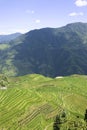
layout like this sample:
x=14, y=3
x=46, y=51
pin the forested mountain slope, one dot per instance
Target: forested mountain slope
x=47, y=51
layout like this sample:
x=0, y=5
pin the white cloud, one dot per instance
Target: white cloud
x=37, y=20
x=76, y=14
x=81, y=3
x=30, y=11
x=3, y=33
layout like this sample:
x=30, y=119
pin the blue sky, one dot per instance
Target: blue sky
x=25, y=15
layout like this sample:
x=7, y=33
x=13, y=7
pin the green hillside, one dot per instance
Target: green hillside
x=9, y=37
x=49, y=51
x=32, y=102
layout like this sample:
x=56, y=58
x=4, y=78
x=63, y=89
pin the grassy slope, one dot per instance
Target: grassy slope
x=31, y=102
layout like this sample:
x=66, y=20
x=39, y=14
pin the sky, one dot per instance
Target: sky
x=25, y=15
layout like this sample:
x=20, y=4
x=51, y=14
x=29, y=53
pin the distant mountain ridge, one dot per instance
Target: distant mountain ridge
x=48, y=51
x=6, y=38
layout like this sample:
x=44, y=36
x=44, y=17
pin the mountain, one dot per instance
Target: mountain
x=6, y=38
x=48, y=51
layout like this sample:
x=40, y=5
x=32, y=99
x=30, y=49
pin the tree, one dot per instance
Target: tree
x=2, y=83
x=55, y=126
x=57, y=122
x=85, y=118
x=63, y=114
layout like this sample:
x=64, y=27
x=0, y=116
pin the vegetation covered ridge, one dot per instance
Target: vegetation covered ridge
x=48, y=51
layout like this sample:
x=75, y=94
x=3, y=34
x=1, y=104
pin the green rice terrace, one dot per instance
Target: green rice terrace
x=35, y=102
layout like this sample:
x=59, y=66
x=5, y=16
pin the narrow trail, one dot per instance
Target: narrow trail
x=48, y=126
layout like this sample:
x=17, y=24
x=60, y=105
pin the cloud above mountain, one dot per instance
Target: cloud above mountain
x=30, y=11
x=37, y=21
x=81, y=3
x=76, y=14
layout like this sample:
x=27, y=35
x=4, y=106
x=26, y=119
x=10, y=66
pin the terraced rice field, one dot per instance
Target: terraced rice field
x=31, y=102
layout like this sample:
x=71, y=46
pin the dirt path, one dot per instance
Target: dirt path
x=48, y=126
